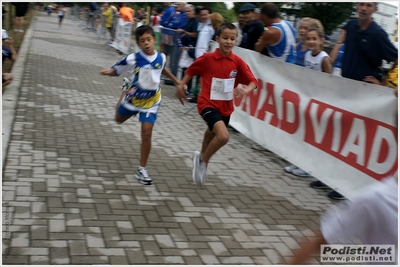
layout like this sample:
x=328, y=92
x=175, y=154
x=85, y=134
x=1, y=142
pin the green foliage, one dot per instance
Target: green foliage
x=237, y=5
x=220, y=7
x=331, y=14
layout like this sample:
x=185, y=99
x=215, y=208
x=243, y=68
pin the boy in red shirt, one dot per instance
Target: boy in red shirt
x=221, y=72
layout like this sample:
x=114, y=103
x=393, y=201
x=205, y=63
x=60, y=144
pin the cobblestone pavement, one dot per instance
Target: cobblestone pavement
x=69, y=195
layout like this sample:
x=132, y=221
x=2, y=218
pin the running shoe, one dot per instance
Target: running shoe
x=143, y=176
x=336, y=196
x=319, y=185
x=196, y=167
x=290, y=168
x=301, y=173
x=203, y=173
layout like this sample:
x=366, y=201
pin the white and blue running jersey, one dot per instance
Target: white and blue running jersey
x=285, y=49
x=144, y=93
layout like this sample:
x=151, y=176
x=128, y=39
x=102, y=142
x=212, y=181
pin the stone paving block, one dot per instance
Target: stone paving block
x=57, y=226
x=136, y=256
x=209, y=259
x=123, y=244
x=89, y=260
x=39, y=260
x=20, y=240
x=166, y=260
x=39, y=232
x=107, y=251
x=16, y=259
x=118, y=260
x=236, y=260
x=49, y=244
x=94, y=240
x=28, y=251
x=110, y=233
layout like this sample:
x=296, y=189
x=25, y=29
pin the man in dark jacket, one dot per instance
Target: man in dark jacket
x=253, y=28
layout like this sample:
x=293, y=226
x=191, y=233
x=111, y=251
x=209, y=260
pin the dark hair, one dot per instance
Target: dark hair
x=159, y=10
x=142, y=30
x=270, y=10
x=205, y=8
x=224, y=26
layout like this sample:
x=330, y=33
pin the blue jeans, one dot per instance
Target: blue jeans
x=174, y=54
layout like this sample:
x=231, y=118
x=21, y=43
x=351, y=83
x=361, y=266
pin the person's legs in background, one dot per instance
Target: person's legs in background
x=189, y=84
x=175, y=55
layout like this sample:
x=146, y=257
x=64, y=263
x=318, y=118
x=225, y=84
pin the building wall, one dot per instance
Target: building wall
x=386, y=17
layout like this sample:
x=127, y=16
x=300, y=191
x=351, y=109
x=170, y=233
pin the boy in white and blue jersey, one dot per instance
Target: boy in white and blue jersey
x=143, y=96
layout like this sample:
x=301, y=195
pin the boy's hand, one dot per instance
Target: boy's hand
x=181, y=93
x=110, y=72
x=242, y=90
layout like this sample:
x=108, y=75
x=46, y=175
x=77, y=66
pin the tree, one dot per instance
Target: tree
x=331, y=14
x=237, y=5
x=220, y=7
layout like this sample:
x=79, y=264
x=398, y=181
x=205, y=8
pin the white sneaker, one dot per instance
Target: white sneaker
x=196, y=167
x=203, y=173
x=143, y=176
x=300, y=172
x=290, y=168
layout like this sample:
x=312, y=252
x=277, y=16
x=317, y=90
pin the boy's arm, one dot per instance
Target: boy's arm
x=169, y=74
x=109, y=72
x=302, y=255
x=181, y=89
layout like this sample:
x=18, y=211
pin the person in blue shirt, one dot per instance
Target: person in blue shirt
x=7, y=52
x=367, y=44
x=174, y=18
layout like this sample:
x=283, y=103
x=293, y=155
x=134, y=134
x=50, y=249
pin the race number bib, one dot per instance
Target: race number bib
x=222, y=89
x=146, y=80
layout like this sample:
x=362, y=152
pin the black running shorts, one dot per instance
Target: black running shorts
x=212, y=116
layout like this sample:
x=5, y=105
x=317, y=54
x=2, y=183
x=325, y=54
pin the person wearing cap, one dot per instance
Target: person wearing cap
x=280, y=38
x=8, y=52
x=253, y=29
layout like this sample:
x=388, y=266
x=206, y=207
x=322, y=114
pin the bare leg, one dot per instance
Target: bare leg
x=7, y=77
x=119, y=118
x=214, y=140
x=147, y=130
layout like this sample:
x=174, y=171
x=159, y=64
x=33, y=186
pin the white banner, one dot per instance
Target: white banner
x=123, y=33
x=341, y=131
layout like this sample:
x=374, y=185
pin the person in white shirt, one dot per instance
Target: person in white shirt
x=239, y=25
x=205, y=34
x=371, y=218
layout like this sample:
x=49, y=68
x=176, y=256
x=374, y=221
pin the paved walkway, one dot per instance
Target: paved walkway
x=69, y=195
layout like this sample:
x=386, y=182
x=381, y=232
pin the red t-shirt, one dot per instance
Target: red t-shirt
x=214, y=64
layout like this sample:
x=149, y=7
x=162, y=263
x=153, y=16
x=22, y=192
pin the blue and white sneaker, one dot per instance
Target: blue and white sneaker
x=143, y=176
